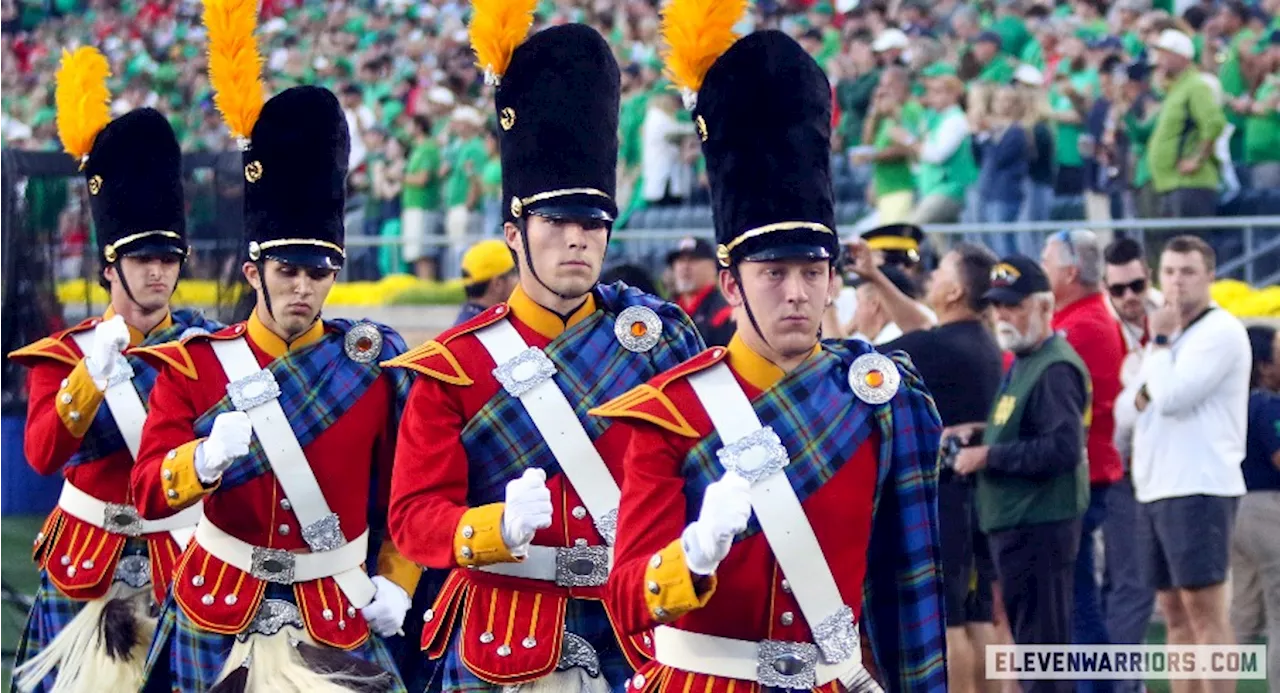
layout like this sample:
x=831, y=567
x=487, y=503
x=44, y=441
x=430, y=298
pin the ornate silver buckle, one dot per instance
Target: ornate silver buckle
x=123, y=371
x=527, y=370
x=253, y=390
x=582, y=566
x=324, y=534
x=577, y=652
x=607, y=526
x=781, y=664
x=120, y=518
x=272, y=565
x=756, y=456
x=134, y=571
x=272, y=616
x=837, y=636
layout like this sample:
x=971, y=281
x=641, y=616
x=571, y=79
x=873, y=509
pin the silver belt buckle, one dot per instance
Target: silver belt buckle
x=120, y=518
x=272, y=565
x=582, y=566
x=781, y=664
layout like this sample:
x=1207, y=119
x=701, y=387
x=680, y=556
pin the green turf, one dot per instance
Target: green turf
x=17, y=573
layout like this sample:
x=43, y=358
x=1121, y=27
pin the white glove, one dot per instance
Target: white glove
x=528, y=509
x=386, y=612
x=726, y=508
x=227, y=442
x=110, y=338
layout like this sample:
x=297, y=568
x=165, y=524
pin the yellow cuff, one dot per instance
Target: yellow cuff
x=78, y=400
x=478, y=540
x=398, y=569
x=178, y=477
x=669, y=589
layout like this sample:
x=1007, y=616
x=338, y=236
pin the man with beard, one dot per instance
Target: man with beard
x=1032, y=476
x=282, y=425
x=101, y=566
x=501, y=477
x=693, y=267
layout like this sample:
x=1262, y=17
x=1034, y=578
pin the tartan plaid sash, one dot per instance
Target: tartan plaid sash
x=318, y=384
x=591, y=368
x=815, y=414
x=104, y=437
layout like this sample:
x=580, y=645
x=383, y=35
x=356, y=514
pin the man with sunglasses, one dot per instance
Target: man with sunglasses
x=1127, y=598
x=1072, y=261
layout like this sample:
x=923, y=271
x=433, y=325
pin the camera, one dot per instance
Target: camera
x=950, y=449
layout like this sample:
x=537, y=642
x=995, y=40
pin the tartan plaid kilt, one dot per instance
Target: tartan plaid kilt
x=196, y=656
x=583, y=617
x=50, y=613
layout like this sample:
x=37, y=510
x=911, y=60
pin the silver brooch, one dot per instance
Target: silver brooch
x=638, y=328
x=525, y=371
x=134, y=571
x=756, y=456
x=874, y=378
x=363, y=343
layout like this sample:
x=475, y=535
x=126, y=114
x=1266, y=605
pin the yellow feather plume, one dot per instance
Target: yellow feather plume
x=497, y=27
x=84, y=103
x=696, y=32
x=235, y=66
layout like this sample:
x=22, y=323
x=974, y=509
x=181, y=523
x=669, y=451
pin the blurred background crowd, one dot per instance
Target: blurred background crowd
x=946, y=111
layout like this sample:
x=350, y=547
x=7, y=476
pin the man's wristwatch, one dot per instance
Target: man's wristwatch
x=1160, y=340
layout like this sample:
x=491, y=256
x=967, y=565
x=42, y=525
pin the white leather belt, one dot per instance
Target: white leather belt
x=572, y=566
x=757, y=454
x=122, y=518
x=526, y=373
x=278, y=565
x=774, y=663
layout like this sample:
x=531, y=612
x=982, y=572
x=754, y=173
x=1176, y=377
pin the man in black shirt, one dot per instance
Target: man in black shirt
x=961, y=365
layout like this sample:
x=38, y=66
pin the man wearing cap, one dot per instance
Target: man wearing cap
x=101, y=568
x=752, y=575
x=1032, y=473
x=1180, y=151
x=488, y=277
x=994, y=66
x=284, y=426
x=946, y=167
x=889, y=46
x=501, y=477
x=693, y=267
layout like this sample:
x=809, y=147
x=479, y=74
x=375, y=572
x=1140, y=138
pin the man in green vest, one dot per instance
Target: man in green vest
x=1031, y=469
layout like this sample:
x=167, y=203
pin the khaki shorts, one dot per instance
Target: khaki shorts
x=416, y=225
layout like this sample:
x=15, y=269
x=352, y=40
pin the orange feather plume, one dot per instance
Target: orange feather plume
x=235, y=66
x=84, y=103
x=497, y=27
x=696, y=33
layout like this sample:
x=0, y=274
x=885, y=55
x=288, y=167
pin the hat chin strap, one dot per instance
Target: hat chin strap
x=737, y=277
x=528, y=258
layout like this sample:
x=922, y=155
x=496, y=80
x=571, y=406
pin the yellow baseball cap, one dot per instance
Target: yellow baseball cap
x=486, y=260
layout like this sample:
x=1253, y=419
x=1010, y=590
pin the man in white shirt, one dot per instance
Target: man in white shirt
x=1191, y=399
x=667, y=177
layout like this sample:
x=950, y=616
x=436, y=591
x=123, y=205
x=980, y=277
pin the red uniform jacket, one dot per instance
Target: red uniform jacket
x=747, y=598
x=429, y=503
x=56, y=430
x=356, y=448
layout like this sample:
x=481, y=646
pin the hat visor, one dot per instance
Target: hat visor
x=788, y=252
x=1004, y=296
x=564, y=212
x=692, y=254
x=303, y=256
x=154, y=248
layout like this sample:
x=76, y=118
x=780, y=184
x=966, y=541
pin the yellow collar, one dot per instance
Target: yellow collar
x=756, y=369
x=135, y=335
x=543, y=321
x=271, y=343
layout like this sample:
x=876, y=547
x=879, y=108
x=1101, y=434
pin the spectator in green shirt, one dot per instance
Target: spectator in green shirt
x=421, y=215
x=993, y=65
x=1140, y=107
x=1262, y=127
x=1180, y=151
x=463, y=158
x=1240, y=70
x=893, y=117
x=491, y=186
x=1074, y=87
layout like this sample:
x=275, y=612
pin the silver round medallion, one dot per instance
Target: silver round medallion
x=638, y=329
x=363, y=343
x=874, y=378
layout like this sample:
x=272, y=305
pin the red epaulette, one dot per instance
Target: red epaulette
x=435, y=360
x=175, y=354
x=56, y=346
x=649, y=402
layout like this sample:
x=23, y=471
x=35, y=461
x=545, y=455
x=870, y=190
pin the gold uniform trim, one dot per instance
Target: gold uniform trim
x=722, y=252
x=111, y=252
x=518, y=205
x=256, y=248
